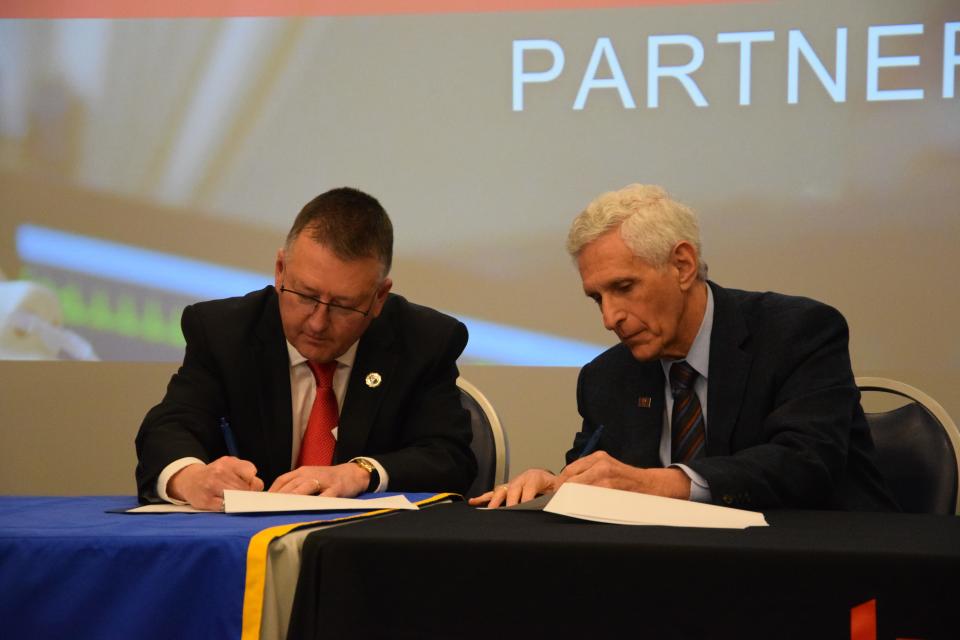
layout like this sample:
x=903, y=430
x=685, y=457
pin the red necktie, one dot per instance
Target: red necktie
x=318, y=442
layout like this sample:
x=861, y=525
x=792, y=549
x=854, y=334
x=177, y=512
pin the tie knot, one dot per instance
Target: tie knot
x=323, y=373
x=682, y=376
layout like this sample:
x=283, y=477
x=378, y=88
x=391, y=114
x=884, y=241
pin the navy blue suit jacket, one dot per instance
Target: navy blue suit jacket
x=784, y=422
x=236, y=366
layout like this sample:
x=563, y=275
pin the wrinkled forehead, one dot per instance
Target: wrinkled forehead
x=316, y=269
x=607, y=260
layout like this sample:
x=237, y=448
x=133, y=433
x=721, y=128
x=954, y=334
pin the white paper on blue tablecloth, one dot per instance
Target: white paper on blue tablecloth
x=262, y=502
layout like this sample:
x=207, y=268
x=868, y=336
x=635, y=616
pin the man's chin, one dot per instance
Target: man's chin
x=643, y=351
x=317, y=350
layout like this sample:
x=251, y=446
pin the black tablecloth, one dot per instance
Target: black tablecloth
x=454, y=571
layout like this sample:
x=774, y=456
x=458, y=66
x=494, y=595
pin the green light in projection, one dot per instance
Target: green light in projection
x=120, y=316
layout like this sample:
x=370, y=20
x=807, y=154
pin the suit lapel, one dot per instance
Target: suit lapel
x=271, y=362
x=376, y=354
x=644, y=387
x=729, y=368
x=627, y=398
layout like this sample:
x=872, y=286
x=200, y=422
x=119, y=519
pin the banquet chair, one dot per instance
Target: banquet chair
x=918, y=449
x=489, y=442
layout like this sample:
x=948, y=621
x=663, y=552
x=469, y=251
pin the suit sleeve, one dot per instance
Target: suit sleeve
x=588, y=428
x=184, y=424
x=608, y=389
x=435, y=454
x=789, y=448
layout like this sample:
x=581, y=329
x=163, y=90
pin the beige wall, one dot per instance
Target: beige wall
x=67, y=428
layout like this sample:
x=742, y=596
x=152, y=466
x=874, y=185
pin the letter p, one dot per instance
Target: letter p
x=521, y=77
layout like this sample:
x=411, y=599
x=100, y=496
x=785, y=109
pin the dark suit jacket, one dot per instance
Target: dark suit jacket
x=236, y=366
x=784, y=422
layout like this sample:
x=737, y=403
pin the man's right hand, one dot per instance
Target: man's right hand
x=526, y=486
x=202, y=485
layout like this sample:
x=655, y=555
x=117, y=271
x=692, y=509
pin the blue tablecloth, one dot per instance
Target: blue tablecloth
x=68, y=569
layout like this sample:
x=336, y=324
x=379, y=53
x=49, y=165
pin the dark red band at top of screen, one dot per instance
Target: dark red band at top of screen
x=258, y=8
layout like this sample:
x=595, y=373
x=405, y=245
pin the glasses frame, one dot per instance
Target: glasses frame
x=317, y=302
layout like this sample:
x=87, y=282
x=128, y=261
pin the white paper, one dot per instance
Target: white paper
x=263, y=502
x=626, y=507
x=165, y=508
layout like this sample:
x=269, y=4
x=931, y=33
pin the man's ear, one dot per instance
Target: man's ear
x=381, y=297
x=278, y=269
x=685, y=260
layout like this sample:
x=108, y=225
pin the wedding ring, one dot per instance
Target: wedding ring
x=316, y=482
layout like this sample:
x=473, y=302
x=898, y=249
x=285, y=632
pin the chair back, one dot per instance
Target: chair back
x=489, y=442
x=918, y=448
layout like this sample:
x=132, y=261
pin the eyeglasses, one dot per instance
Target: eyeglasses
x=311, y=303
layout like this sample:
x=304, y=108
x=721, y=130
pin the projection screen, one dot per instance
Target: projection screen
x=153, y=155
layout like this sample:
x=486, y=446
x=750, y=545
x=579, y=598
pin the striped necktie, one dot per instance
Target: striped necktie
x=686, y=425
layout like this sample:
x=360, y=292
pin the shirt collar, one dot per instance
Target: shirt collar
x=346, y=360
x=699, y=355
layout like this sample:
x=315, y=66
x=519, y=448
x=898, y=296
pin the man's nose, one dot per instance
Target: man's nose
x=612, y=314
x=320, y=318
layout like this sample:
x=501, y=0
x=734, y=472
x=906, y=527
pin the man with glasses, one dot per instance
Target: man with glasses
x=325, y=383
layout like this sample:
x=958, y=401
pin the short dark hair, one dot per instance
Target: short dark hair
x=350, y=223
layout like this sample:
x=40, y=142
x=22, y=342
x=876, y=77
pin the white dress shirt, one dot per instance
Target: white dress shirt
x=303, y=390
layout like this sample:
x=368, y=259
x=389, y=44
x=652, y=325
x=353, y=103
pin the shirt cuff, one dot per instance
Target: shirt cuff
x=699, y=488
x=382, y=473
x=168, y=472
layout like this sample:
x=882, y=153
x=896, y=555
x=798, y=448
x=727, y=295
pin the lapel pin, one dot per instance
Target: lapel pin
x=645, y=402
x=373, y=380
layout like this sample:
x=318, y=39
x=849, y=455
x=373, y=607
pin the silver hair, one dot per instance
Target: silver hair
x=651, y=223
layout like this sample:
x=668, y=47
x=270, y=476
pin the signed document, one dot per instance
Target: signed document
x=263, y=502
x=626, y=507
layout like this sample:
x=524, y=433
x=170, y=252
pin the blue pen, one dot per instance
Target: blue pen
x=232, y=448
x=591, y=443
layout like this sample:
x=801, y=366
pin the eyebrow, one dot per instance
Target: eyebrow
x=310, y=291
x=610, y=285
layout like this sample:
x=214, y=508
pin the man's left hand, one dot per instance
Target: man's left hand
x=600, y=469
x=339, y=481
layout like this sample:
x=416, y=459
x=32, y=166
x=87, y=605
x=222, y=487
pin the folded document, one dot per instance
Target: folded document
x=626, y=507
x=263, y=502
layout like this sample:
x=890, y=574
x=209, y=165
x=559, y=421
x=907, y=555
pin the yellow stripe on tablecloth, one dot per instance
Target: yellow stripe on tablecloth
x=257, y=561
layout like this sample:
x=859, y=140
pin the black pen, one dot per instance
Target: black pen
x=591, y=443
x=232, y=448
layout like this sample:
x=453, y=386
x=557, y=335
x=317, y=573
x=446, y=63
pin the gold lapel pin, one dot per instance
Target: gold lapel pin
x=373, y=380
x=645, y=402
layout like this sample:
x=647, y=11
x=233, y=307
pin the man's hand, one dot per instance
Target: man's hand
x=202, y=485
x=600, y=469
x=526, y=486
x=340, y=481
